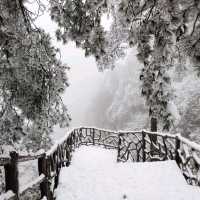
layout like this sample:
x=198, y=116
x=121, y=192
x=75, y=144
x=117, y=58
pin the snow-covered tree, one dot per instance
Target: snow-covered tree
x=116, y=39
x=166, y=33
x=32, y=78
x=150, y=30
x=134, y=22
x=80, y=21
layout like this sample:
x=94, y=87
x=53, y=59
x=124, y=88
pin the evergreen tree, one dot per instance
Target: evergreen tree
x=165, y=32
x=31, y=79
x=116, y=37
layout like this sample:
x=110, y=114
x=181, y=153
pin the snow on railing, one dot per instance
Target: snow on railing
x=137, y=146
x=8, y=195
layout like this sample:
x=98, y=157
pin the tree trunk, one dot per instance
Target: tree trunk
x=153, y=138
x=153, y=124
x=43, y=168
x=153, y=129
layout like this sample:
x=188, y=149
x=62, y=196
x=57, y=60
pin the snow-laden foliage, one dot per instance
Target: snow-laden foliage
x=80, y=21
x=150, y=30
x=32, y=78
x=165, y=32
x=185, y=110
x=116, y=39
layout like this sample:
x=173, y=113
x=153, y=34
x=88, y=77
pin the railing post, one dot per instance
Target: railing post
x=93, y=131
x=177, y=148
x=143, y=147
x=43, y=168
x=11, y=174
x=57, y=175
x=118, y=148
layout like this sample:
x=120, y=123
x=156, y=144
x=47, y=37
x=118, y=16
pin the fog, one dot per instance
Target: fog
x=92, y=97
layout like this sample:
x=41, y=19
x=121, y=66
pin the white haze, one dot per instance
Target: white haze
x=86, y=83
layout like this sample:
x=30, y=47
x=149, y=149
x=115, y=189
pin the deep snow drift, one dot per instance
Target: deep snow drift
x=95, y=175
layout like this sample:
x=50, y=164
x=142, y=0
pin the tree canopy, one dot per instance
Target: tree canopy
x=165, y=32
x=32, y=78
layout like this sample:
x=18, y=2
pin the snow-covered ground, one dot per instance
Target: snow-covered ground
x=95, y=175
x=28, y=172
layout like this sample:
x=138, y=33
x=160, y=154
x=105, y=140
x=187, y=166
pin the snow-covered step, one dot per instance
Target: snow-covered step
x=95, y=175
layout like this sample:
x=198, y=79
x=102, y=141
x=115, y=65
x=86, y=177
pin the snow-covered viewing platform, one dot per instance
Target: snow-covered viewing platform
x=96, y=164
x=94, y=174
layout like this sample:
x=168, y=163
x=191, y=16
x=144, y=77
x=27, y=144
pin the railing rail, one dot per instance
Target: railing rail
x=137, y=146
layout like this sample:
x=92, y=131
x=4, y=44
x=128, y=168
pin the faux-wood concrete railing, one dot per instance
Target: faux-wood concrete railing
x=138, y=146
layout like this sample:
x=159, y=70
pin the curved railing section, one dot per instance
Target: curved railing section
x=138, y=146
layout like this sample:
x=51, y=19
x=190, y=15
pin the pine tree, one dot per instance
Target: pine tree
x=161, y=30
x=31, y=78
x=80, y=21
